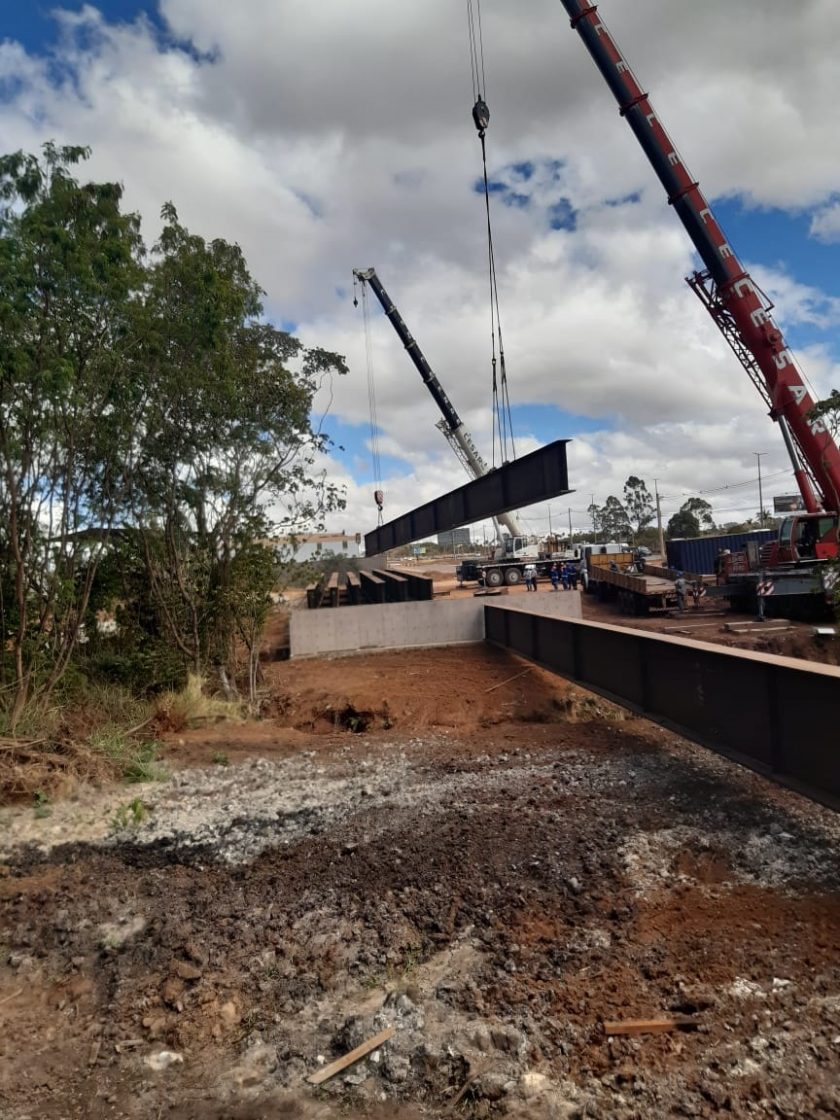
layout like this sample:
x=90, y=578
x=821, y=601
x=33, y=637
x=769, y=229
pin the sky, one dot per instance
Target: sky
x=323, y=137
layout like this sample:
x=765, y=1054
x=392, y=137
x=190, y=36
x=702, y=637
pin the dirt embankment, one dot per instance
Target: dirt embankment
x=493, y=871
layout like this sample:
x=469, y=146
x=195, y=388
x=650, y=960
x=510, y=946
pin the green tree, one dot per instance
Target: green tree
x=615, y=520
x=638, y=504
x=610, y=521
x=70, y=266
x=829, y=411
x=223, y=431
x=692, y=518
x=150, y=414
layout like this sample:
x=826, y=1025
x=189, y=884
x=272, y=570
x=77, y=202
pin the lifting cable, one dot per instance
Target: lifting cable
x=502, y=422
x=378, y=495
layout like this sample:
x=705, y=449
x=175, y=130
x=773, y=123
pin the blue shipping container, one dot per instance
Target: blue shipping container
x=698, y=554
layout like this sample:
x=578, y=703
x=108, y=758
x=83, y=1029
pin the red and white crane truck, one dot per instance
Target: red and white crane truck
x=795, y=573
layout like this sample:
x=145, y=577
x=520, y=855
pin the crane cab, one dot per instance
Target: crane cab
x=515, y=548
x=806, y=537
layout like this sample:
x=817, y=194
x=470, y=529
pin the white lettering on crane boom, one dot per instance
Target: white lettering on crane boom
x=622, y=67
x=785, y=358
x=743, y=285
x=798, y=392
x=673, y=159
x=725, y=251
x=704, y=215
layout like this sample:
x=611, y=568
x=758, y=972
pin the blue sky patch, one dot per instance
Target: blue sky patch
x=781, y=237
x=32, y=23
x=562, y=215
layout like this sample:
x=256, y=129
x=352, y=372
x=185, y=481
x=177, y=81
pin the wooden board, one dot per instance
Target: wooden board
x=651, y=1026
x=349, y=1059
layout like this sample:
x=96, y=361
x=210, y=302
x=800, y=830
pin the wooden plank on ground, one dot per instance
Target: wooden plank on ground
x=651, y=1026
x=349, y=1059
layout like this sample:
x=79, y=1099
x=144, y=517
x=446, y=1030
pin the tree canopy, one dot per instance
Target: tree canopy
x=691, y=519
x=148, y=410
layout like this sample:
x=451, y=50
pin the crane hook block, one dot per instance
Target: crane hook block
x=481, y=115
x=379, y=498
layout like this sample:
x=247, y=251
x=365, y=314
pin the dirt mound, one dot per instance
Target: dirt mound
x=460, y=688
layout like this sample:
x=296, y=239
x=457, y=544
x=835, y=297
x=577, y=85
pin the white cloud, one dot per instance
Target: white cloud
x=825, y=225
x=322, y=137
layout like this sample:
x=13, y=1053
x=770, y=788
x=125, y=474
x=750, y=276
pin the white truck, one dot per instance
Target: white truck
x=507, y=564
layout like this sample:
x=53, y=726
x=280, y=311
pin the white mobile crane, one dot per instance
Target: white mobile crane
x=513, y=549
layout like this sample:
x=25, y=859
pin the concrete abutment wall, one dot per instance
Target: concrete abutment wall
x=441, y=622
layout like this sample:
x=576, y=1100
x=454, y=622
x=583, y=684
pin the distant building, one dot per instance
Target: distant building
x=314, y=546
x=455, y=538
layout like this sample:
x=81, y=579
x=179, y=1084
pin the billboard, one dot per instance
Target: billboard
x=787, y=503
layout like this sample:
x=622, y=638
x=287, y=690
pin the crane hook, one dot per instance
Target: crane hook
x=481, y=116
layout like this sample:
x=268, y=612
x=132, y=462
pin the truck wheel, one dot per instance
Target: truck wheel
x=513, y=575
x=494, y=578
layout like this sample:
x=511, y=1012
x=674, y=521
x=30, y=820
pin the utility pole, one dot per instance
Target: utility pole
x=570, y=526
x=592, y=507
x=659, y=521
x=758, y=455
x=549, y=519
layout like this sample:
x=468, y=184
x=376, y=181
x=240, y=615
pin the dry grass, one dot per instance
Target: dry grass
x=94, y=738
x=192, y=706
x=102, y=734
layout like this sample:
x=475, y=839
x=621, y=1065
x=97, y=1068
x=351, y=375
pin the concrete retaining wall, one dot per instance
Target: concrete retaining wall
x=443, y=622
x=392, y=626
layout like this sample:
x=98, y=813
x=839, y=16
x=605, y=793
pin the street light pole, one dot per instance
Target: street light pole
x=758, y=455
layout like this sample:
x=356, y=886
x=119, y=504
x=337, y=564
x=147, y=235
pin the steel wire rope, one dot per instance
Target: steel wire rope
x=502, y=421
x=371, y=386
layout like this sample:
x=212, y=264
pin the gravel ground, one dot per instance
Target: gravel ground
x=493, y=892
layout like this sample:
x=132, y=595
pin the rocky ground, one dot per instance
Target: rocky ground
x=492, y=873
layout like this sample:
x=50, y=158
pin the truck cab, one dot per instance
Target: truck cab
x=515, y=548
x=806, y=537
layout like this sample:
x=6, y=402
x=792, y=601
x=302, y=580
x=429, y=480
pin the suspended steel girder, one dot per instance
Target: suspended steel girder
x=534, y=478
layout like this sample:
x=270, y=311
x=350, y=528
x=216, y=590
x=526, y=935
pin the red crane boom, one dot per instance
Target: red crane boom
x=732, y=297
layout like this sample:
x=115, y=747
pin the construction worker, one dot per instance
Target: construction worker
x=554, y=576
x=681, y=588
x=530, y=577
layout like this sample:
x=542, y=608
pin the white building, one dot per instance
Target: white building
x=315, y=546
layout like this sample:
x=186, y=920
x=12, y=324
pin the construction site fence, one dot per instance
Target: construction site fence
x=771, y=713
